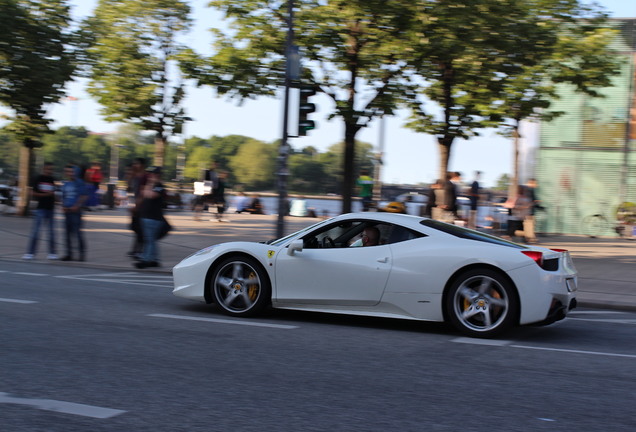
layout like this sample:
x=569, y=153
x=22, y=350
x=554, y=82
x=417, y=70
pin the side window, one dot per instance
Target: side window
x=399, y=234
x=350, y=234
x=333, y=236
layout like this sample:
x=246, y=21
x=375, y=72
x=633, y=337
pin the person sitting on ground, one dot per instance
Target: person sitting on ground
x=370, y=237
x=255, y=206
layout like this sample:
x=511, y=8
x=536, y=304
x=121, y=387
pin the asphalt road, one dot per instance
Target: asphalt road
x=90, y=350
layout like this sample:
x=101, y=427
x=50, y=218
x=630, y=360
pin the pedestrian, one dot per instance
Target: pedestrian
x=519, y=209
x=136, y=183
x=473, y=195
x=44, y=193
x=365, y=185
x=73, y=198
x=241, y=202
x=218, y=196
x=210, y=182
x=435, y=195
x=529, y=222
x=93, y=177
x=449, y=202
x=151, y=216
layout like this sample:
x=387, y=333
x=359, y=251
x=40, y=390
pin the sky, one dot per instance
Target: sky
x=409, y=157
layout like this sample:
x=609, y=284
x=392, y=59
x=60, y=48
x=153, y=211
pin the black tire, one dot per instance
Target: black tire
x=482, y=303
x=240, y=286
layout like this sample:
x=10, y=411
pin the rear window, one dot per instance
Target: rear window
x=464, y=233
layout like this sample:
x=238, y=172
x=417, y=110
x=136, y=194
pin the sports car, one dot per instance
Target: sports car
x=417, y=268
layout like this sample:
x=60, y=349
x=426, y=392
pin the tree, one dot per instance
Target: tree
x=253, y=165
x=350, y=47
x=460, y=51
x=36, y=60
x=581, y=58
x=9, y=155
x=132, y=59
x=470, y=56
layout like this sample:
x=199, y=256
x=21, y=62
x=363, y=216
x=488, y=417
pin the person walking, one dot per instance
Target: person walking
x=136, y=184
x=529, y=222
x=519, y=207
x=448, y=204
x=474, y=201
x=44, y=193
x=365, y=184
x=218, y=196
x=153, y=196
x=73, y=198
x=93, y=177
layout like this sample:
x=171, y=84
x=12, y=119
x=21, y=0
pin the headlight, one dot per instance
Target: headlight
x=201, y=252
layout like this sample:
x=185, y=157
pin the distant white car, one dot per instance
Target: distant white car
x=420, y=269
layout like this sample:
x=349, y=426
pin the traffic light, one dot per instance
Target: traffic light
x=305, y=108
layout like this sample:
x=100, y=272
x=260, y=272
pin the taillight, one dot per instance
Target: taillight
x=559, y=250
x=535, y=255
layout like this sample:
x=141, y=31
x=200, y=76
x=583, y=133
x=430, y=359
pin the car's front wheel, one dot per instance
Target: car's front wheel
x=482, y=303
x=240, y=286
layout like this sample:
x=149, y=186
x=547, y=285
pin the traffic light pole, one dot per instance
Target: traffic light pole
x=283, y=151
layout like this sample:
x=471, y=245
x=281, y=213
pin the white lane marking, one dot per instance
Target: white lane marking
x=490, y=342
x=223, y=321
x=546, y=419
x=127, y=274
x=575, y=351
x=606, y=320
x=128, y=278
x=512, y=344
x=6, y=300
x=61, y=406
x=595, y=312
x=29, y=274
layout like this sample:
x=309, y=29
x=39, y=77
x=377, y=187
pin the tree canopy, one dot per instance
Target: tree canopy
x=349, y=48
x=131, y=64
x=36, y=61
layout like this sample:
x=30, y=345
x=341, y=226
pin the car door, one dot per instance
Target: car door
x=349, y=276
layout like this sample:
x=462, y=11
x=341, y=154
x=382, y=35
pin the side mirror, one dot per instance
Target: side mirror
x=295, y=246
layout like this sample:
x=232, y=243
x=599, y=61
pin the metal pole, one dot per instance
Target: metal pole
x=377, y=182
x=283, y=150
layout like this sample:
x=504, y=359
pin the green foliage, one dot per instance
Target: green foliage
x=503, y=183
x=9, y=156
x=254, y=165
x=131, y=58
x=351, y=49
x=36, y=60
x=484, y=61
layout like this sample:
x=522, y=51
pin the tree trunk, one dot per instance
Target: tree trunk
x=24, y=177
x=348, y=165
x=160, y=150
x=444, y=146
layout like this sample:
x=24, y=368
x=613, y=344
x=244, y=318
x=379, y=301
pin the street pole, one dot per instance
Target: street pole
x=283, y=151
x=377, y=171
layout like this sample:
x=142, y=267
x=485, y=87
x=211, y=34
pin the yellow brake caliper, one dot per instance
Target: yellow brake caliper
x=252, y=290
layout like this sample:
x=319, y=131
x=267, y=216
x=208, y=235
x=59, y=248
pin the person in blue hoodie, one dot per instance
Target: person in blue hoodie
x=74, y=196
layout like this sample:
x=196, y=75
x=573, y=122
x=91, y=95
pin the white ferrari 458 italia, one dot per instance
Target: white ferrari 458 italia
x=387, y=265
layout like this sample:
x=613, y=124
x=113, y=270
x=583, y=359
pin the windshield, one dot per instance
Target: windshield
x=282, y=240
x=464, y=233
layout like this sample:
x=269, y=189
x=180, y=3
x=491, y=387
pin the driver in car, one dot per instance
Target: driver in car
x=370, y=237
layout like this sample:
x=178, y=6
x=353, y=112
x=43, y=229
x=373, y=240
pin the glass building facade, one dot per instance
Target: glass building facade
x=586, y=160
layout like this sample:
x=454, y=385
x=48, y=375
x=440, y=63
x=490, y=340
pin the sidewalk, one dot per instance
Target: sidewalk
x=607, y=266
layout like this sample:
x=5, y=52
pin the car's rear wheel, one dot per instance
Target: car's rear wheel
x=482, y=303
x=240, y=286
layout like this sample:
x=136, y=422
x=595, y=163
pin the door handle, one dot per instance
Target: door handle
x=383, y=260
